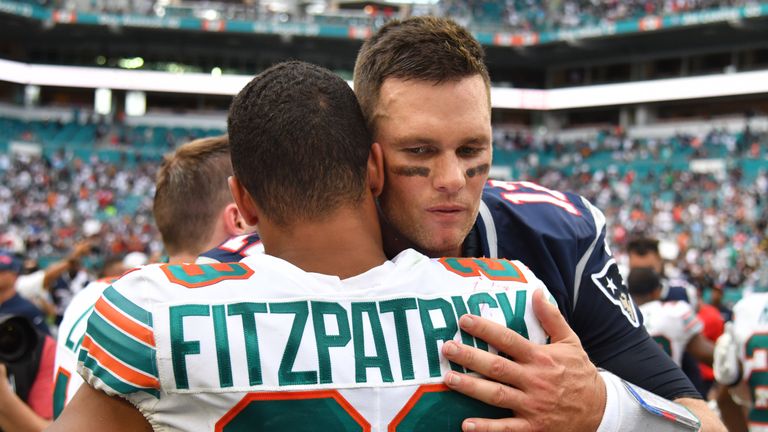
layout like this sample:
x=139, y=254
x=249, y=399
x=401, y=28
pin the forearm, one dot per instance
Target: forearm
x=54, y=271
x=15, y=415
x=731, y=412
x=709, y=420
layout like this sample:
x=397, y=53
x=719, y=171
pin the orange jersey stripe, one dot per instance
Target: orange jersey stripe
x=120, y=370
x=222, y=267
x=124, y=323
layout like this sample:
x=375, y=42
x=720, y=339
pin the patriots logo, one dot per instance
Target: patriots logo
x=610, y=282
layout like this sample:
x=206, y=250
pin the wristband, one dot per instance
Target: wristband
x=629, y=408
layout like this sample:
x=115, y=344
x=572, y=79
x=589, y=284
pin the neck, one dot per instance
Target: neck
x=344, y=244
x=187, y=257
x=395, y=242
x=183, y=258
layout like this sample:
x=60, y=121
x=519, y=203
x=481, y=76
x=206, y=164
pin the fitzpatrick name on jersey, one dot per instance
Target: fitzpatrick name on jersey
x=228, y=341
x=330, y=342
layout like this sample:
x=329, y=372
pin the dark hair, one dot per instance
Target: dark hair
x=643, y=246
x=643, y=281
x=419, y=48
x=109, y=262
x=191, y=189
x=299, y=142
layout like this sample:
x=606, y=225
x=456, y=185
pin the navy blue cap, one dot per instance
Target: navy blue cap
x=9, y=261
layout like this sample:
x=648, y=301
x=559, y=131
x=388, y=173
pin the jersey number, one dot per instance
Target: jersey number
x=240, y=245
x=758, y=380
x=203, y=275
x=493, y=269
x=541, y=195
x=432, y=408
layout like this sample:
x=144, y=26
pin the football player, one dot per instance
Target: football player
x=199, y=168
x=741, y=358
x=425, y=93
x=334, y=337
x=644, y=252
x=672, y=324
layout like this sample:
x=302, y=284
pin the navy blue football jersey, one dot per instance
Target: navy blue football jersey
x=679, y=290
x=561, y=238
x=233, y=250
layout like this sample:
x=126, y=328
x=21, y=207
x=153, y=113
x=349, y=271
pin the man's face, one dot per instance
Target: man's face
x=436, y=140
x=650, y=259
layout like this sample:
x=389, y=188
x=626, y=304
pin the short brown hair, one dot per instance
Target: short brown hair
x=190, y=191
x=419, y=48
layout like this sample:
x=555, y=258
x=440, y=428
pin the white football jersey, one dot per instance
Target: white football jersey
x=263, y=345
x=750, y=328
x=672, y=325
x=71, y=332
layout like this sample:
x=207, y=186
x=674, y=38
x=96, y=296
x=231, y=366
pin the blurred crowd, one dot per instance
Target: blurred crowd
x=695, y=229
x=539, y=15
x=510, y=15
x=47, y=205
x=713, y=223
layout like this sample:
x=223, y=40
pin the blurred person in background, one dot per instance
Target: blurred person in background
x=643, y=252
x=672, y=324
x=52, y=288
x=197, y=169
x=112, y=266
x=25, y=388
x=716, y=300
x=11, y=301
x=713, y=314
x=741, y=361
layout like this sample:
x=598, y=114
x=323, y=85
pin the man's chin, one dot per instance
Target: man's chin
x=447, y=247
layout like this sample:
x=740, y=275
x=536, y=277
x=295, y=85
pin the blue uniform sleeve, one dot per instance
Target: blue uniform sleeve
x=610, y=328
x=561, y=238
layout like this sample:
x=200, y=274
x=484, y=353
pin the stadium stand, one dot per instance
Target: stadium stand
x=669, y=179
x=516, y=15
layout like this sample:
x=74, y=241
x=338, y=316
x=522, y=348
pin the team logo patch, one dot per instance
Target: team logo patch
x=609, y=280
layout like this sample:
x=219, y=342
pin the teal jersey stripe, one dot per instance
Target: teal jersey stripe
x=112, y=381
x=74, y=345
x=59, y=393
x=130, y=308
x=121, y=346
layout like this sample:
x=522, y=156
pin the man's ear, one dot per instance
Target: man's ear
x=233, y=220
x=249, y=211
x=376, y=169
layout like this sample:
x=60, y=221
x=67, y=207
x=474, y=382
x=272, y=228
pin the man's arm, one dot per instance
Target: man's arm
x=733, y=414
x=549, y=387
x=701, y=348
x=15, y=415
x=55, y=270
x=92, y=409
